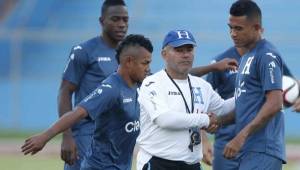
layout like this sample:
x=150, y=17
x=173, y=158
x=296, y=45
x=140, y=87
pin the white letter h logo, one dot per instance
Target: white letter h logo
x=183, y=34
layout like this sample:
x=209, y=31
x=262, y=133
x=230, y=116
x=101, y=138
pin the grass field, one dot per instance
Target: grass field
x=19, y=162
x=11, y=157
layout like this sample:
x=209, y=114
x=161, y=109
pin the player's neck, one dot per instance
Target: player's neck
x=111, y=43
x=126, y=77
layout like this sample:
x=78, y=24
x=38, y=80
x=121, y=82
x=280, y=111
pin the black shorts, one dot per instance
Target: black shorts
x=156, y=163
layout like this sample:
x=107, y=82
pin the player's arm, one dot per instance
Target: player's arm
x=36, y=143
x=207, y=149
x=222, y=65
x=272, y=105
x=75, y=69
x=68, y=146
x=65, y=101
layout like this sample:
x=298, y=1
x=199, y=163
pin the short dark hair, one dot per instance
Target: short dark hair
x=109, y=3
x=246, y=8
x=133, y=40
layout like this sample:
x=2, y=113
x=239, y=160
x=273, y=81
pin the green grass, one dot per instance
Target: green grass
x=19, y=162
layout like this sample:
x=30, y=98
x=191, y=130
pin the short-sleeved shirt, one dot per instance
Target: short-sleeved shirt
x=260, y=71
x=158, y=95
x=114, y=108
x=223, y=82
x=88, y=65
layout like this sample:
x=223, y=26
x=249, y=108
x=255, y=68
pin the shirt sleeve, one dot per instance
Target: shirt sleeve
x=76, y=65
x=270, y=71
x=215, y=101
x=100, y=100
x=152, y=100
x=213, y=77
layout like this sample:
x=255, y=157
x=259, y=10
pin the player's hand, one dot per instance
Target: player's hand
x=34, y=144
x=226, y=64
x=213, y=123
x=207, y=152
x=68, y=151
x=296, y=106
x=234, y=146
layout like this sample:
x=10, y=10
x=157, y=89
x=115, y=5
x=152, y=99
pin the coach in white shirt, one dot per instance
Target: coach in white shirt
x=174, y=107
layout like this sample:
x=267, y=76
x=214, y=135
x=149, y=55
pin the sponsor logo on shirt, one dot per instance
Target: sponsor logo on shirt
x=95, y=92
x=151, y=82
x=127, y=100
x=271, y=67
x=232, y=72
x=78, y=47
x=174, y=93
x=239, y=90
x=106, y=85
x=104, y=59
x=133, y=126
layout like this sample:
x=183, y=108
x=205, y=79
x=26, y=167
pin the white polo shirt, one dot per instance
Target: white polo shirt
x=158, y=95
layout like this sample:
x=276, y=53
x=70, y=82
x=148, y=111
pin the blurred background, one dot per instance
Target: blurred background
x=36, y=37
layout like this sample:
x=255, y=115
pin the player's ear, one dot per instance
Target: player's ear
x=163, y=52
x=258, y=27
x=101, y=20
x=129, y=61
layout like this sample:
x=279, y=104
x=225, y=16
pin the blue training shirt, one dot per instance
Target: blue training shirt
x=116, y=111
x=223, y=82
x=89, y=64
x=260, y=70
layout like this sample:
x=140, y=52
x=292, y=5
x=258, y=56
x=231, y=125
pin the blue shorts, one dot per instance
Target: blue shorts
x=83, y=143
x=220, y=162
x=259, y=161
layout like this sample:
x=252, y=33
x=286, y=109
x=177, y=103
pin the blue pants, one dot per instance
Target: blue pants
x=259, y=161
x=221, y=163
x=83, y=143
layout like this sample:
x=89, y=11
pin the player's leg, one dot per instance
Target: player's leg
x=259, y=161
x=220, y=162
x=82, y=143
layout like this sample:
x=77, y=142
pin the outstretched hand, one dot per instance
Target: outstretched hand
x=213, y=123
x=34, y=144
x=226, y=64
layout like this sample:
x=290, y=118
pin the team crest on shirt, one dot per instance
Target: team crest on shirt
x=100, y=59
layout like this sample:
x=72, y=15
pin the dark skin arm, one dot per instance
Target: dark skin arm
x=272, y=105
x=207, y=149
x=68, y=151
x=222, y=65
x=36, y=143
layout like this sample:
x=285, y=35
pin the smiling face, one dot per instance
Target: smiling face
x=179, y=60
x=115, y=22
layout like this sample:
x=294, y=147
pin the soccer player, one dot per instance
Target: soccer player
x=114, y=108
x=89, y=64
x=223, y=83
x=259, y=140
x=173, y=109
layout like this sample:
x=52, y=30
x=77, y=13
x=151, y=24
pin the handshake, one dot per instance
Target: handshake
x=214, y=123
